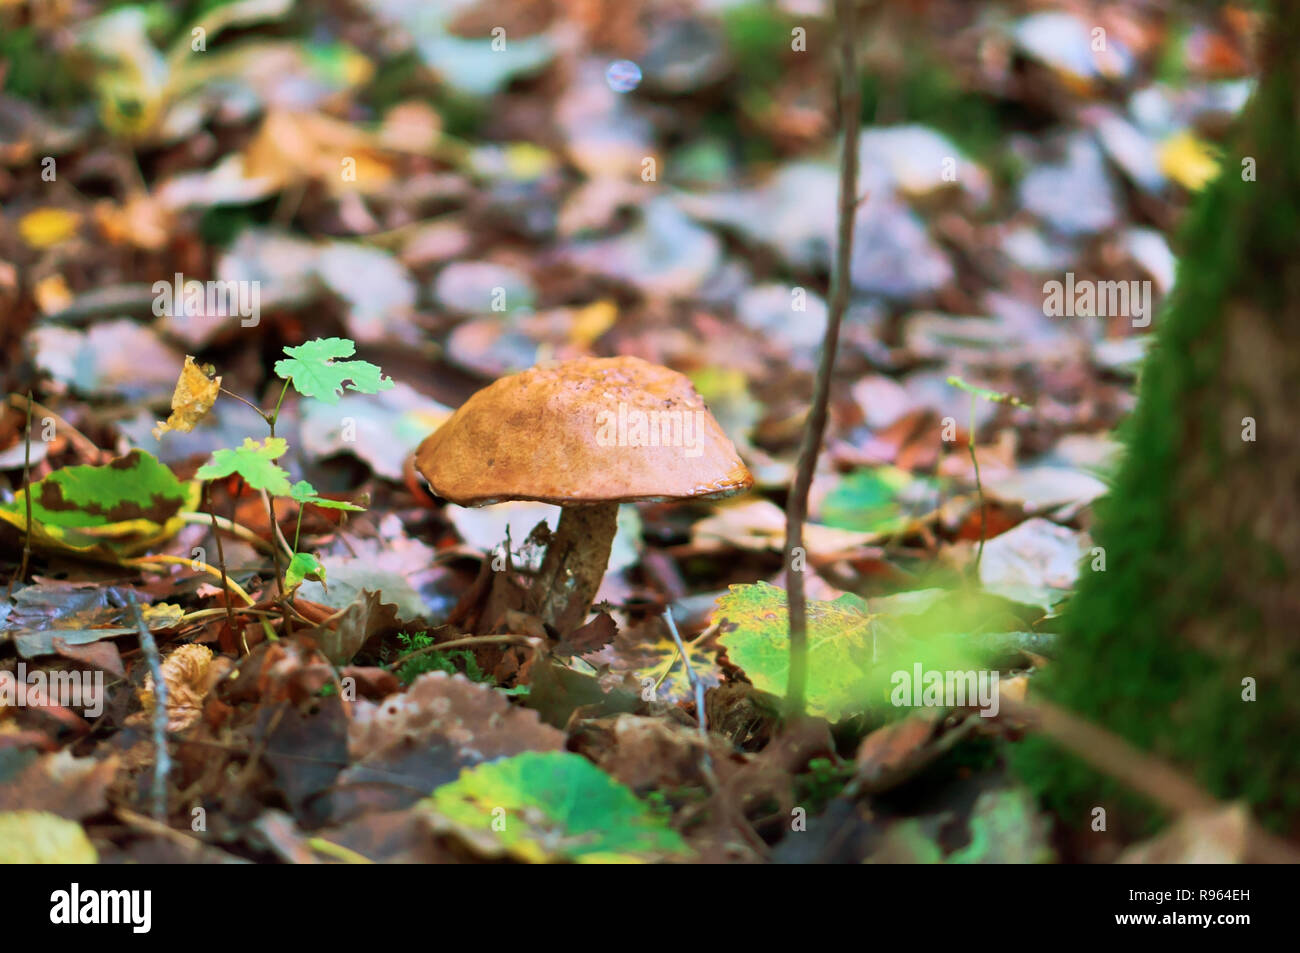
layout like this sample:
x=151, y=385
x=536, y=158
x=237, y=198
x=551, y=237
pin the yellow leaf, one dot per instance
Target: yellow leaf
x=592, y=321
x=47, y=227
x=141, y=221
x=526, y=161
x=52, y=294
x=39, y=837
x=292, y=148
x=1189, y=161
x=194, y=396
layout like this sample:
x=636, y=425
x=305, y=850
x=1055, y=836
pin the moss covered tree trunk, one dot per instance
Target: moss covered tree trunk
x=1201, y=531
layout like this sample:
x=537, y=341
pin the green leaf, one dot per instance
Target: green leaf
x=255, y=462
x=839, y=646
x=304, y=566
x=545, y=806
x=315, y=372
x=855, y=659
x=884, y=500
x=120, y=508
x=304, y=492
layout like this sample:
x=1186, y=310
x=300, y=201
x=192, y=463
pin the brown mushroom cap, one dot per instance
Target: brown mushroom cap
x=591, y=430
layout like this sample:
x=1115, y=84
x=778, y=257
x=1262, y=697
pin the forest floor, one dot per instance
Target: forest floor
x=358, y=214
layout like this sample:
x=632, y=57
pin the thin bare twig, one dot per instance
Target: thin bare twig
x=162, y=761
x=797, y=505
x=276, y=532
x=27, y=497
x=85, y=446
x=182, y=839
x=691, y=677
x=221, y=564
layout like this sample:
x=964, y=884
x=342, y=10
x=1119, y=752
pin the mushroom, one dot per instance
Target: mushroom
x=585, y=435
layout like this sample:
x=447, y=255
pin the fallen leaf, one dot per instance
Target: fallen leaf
x=194, y=396
x=37, y=837
x=556, y=806
x=185, y=673
x=120, y=508
x=47, y=227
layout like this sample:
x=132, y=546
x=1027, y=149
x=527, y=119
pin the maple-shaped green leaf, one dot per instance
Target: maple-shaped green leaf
x=304, y=566
x=118, y=509
x=315, y=370
x=839, y=646
x=304, y=492
x=255, y=462
x=547, y=806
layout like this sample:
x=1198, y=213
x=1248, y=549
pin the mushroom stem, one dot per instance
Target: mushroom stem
x=574, y=565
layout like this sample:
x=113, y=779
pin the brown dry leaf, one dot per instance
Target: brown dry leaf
x=292, y=147
x=52, y=294
x=71, y=787
x=760, y=524
x=390, y=837
x=412, y=742
x=142, y=221
x=887, y=750
x=194, y=396
x=652, y=753
x=367, y=616
x=592, y=637
x=477, y=720
x=102, y=655
x=185, y=672
x=288, y=670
